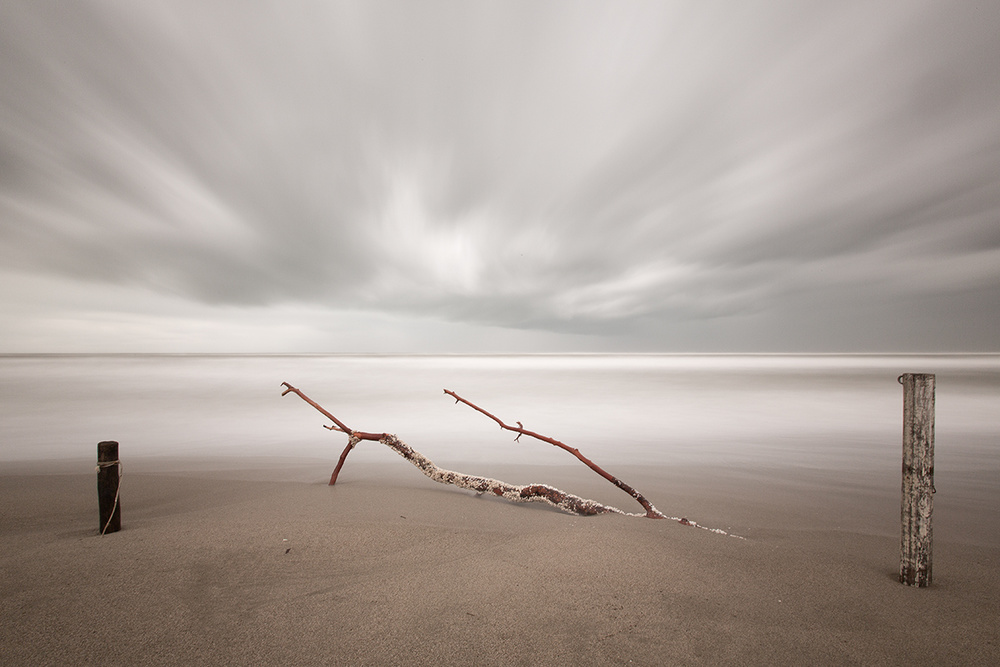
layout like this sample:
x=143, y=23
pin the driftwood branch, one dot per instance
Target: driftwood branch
x=515, y=493
x=481, y=485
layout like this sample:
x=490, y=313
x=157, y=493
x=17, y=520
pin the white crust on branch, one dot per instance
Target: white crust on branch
x=527, y=493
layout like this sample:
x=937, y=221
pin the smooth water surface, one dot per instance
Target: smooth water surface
x=840, y=412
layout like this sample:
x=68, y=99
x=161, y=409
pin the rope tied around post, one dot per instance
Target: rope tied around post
x=118, y=488
x=109, y=480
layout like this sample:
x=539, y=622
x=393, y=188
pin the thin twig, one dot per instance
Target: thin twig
x=651, y=511
x=361, y=435
x=340, y=424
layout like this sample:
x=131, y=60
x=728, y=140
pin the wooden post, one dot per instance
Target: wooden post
x=918, y=479
x=108, y=481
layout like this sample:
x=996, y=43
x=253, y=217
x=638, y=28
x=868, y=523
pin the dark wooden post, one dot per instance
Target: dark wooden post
x=108, y=481
x=918, y=479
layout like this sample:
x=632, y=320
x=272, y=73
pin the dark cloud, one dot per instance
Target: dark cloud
x=649, y=176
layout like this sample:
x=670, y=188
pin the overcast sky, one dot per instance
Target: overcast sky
x=531, y=176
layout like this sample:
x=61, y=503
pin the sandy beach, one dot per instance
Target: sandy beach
x=263, y=563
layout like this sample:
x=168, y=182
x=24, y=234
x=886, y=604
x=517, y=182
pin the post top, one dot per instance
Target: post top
x=916, y=376
x=107, y=450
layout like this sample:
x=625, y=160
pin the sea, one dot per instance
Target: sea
x=820, y=435
x=804, y=411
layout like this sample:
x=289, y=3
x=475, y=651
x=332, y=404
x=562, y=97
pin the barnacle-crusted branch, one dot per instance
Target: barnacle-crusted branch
x=512, y=492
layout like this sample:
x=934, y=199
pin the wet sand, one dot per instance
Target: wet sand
x=263, y=563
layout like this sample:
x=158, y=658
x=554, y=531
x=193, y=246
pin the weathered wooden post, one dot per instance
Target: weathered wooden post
x=918, y=479
x=108, y=484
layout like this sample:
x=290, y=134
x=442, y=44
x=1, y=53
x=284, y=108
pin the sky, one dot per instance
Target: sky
x=473, y=177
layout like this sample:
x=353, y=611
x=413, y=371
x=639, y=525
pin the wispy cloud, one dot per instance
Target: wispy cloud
x=606, y=176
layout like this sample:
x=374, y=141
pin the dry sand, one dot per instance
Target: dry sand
x=231, y=567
